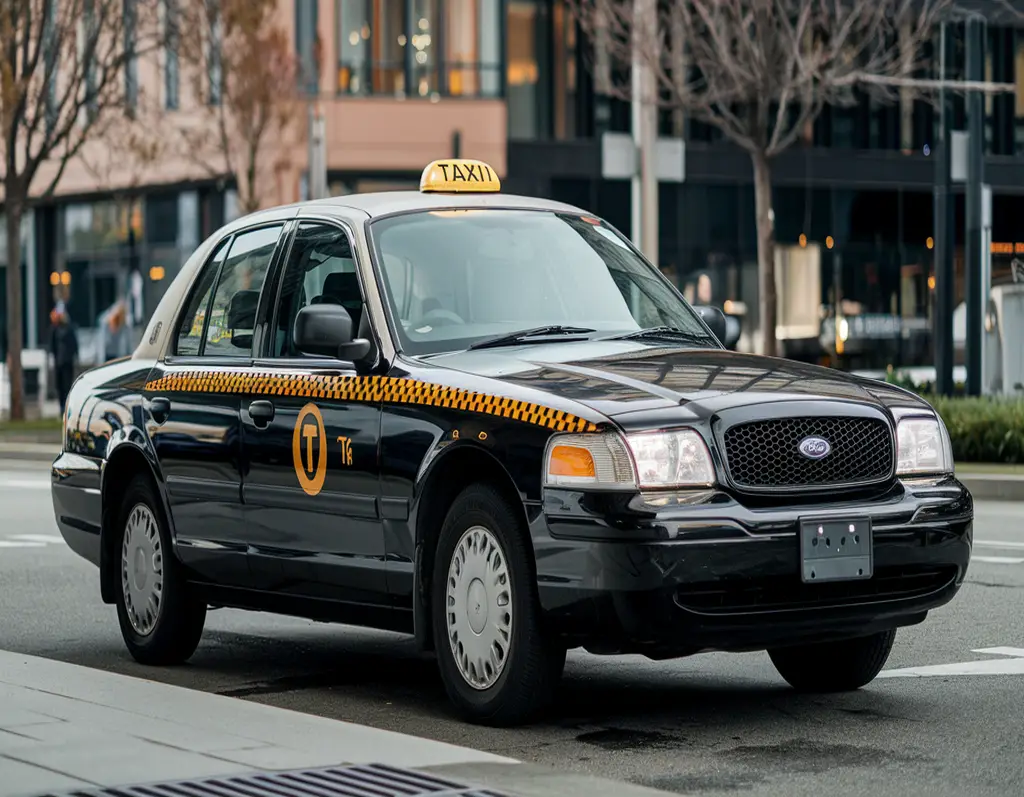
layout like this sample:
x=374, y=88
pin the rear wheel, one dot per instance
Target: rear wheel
x=161, y=620
x=498, y=666
x=834, y=666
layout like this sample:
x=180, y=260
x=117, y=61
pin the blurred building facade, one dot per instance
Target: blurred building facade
x=509, y=81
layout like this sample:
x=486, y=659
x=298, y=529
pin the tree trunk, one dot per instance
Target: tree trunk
x=765, y=252
x=13, y=212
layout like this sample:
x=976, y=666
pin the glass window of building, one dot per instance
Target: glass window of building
x=372, y=41
x=306, y=23
x=472, y=44
x=354, y=45
x=101, y=225
x=564, y=59
x=527, y=105
x=172, y=75
x=419, y=48
x=1018, y=79
x=424, y=40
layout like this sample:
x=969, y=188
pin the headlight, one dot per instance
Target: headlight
x=671, y=459
x=589, y=460
x=922, y=447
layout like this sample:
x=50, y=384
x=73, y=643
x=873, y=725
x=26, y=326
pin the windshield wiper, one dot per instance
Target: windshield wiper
x=663, y=332
x=513, y=338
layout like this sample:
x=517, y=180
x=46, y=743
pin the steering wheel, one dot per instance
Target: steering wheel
x=441, y=317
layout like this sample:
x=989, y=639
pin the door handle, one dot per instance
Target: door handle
x=160, y=408
x=261, y=412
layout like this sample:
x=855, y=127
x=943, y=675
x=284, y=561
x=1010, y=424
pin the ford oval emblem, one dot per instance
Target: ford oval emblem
x=815, y=447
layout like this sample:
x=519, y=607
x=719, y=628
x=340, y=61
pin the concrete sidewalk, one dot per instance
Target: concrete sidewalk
x=65, y=727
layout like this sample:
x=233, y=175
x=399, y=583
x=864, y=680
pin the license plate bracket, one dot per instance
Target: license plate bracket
x=839, y=549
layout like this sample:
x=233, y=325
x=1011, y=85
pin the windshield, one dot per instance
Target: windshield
x=457, y=277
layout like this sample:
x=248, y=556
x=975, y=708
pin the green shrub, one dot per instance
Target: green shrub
x=983, y=429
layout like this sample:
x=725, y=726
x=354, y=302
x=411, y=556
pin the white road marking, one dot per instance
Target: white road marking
x=998, y=560
x=17, y=482
x=31, y=540
x=998, y=544
x=1014, y=665
x=40, y=538
x=1019, y=652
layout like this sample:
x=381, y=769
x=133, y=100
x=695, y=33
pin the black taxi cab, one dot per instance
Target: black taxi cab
x=489, y=422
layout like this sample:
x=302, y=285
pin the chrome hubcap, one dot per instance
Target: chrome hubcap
x=142, y=570
x=479, y=598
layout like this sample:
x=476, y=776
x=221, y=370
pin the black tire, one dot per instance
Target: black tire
x=534, y=662
x=180, y=617
x=841, y=666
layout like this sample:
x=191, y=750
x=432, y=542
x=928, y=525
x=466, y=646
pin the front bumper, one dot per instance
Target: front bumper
x=704, y=572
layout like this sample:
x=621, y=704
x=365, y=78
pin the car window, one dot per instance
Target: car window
x=455, y=277
x=190, y=330
x=320, y=269
x=233, y=311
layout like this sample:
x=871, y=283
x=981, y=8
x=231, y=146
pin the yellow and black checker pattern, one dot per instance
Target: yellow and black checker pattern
x=370, y=389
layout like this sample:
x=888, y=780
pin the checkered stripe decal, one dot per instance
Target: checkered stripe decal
x=386, y=389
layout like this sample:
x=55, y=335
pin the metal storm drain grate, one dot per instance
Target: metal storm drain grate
x=373, y=780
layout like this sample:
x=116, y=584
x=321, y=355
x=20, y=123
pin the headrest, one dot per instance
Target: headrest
x=242, y=309
x=343, y=284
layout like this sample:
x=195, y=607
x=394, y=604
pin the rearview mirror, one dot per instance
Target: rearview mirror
x=714, y=318
x=326, y=329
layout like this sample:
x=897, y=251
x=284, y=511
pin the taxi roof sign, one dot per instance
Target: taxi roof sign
x=459, y=176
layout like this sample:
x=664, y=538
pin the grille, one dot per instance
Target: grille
x=788, y=592
x=765, y=454
x=374, y=780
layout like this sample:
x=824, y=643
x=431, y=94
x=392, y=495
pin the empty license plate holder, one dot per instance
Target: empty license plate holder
x=836, y=550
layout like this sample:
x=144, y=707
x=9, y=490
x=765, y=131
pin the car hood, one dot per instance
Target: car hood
x=617, y=378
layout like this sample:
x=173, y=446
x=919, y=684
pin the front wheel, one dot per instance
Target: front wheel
x=841, y=666
x=497, y=664
x=161, y=620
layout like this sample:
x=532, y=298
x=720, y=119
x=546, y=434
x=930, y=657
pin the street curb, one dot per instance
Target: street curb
x=114, y=729
x=993, y=486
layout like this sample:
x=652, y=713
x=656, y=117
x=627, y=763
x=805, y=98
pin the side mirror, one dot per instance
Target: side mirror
x=326, y=329
x=714, y=318
x=733, y=331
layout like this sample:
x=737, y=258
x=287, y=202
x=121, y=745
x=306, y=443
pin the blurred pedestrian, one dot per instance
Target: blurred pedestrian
x=64, y=347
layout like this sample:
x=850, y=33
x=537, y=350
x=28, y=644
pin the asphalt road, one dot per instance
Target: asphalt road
x=711, y=724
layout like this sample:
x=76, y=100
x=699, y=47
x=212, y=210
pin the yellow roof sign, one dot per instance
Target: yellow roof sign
x=459, y=176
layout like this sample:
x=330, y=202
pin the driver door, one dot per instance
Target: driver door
x=311, y=442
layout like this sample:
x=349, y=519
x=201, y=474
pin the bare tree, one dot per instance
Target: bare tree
x=62, y=83
x=761, y=71
x=243, y=73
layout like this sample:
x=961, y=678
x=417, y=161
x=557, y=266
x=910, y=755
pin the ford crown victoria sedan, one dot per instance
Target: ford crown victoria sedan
x=489, y=422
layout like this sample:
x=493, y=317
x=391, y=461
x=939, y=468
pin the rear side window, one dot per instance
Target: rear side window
x=190, y=330
x=233, y=311
x=221, y=312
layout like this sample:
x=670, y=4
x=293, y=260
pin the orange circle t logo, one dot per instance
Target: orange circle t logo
x=309, y=460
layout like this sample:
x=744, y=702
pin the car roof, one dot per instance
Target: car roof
x=383, y=203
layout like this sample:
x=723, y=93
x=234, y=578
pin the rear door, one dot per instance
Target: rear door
x=310, y=430
x=194, y=398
